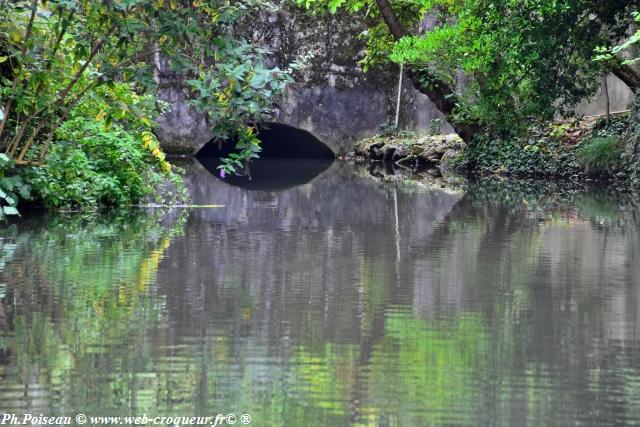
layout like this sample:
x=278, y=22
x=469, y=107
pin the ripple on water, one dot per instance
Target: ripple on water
x=342, y=301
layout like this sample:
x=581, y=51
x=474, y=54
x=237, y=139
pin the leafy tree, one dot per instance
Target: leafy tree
x=494, y=65
x=525, y=61
x=48, y=50
x=54, y=53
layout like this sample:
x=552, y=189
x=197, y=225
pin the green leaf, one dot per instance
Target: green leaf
x=24, y=193
x=10, y=210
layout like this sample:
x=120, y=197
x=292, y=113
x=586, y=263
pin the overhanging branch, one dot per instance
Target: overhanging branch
x=423, y=79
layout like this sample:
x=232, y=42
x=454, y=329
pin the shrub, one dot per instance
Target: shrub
x=600, y=155
x=105, y=154
x=537, y=155
x=91, y=165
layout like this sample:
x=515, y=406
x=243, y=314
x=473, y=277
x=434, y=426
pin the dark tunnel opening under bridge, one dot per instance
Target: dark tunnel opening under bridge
x=278, y=141
x=289, y=157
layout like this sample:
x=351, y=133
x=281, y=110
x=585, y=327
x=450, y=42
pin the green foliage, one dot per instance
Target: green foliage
x=600, y=155
x=235, y=92
x=539, y=154
x=631, y=153
x=121, y=103
x=54, y=55
x=563, y=150
x=12, y=189
x=512, y=63
x=524, y=61
x=614, y=125
x=248, y=146
x=105, y=154
x=608, y=54
x=606, y=152
x=92, y=166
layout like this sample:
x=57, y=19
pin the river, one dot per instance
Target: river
x=339, y=299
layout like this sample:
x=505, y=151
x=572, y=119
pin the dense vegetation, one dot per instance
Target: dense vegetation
x=78, y=80
x=501, y=71
x=77, y=92
x=497, y=65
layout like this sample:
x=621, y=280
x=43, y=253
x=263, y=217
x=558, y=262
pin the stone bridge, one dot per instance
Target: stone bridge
x=332, y=98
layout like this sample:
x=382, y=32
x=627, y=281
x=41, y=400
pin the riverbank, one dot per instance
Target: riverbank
x=596, y=150
x=591, y=149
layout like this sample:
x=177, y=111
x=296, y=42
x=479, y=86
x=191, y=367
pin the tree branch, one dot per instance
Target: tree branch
x=23, y=50
x=628, y=75
x=423, y=79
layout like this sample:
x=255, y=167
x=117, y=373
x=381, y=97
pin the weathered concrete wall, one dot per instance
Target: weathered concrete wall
x=332, y=97
x=620, y=98
x=182, y=130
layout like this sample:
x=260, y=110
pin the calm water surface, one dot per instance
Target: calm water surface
x=340, y=300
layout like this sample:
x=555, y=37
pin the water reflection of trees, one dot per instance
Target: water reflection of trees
x=342, y=301
x=520, y=268
x=75, y=295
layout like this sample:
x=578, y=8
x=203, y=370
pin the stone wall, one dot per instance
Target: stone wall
x=620, y=99
x=182, y=130
x=332, y=97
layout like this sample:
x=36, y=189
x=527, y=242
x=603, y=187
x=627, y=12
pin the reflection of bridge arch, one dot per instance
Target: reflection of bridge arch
x=278, y=140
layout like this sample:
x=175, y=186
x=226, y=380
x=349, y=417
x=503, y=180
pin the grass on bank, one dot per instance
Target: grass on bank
x=600, y=155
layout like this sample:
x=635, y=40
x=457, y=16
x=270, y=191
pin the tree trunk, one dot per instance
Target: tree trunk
x=438, y=91
x=628, y=75
x=605, y=92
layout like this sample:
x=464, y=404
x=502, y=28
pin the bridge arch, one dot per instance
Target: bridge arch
x=278, y=141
